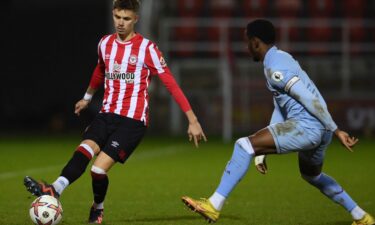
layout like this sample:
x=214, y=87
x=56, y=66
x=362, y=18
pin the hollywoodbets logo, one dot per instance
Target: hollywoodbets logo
x=117, y=75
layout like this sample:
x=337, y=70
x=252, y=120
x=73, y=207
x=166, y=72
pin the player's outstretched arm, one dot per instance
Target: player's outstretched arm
x=346, y=140
x=195, y=131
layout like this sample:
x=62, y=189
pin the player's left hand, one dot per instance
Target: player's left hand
x=260, y=164
x=196, y=133
x=346, y=140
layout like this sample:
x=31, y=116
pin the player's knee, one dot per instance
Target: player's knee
x=330, y=187
x=93, y=146
x=98, y=173
x=245, y=144
x=324, y=183
x=310, y=179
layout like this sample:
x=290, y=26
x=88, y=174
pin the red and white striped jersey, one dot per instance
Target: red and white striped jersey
x=125, y=68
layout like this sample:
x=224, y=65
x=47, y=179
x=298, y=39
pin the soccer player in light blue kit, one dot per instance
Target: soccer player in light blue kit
x=300, y=123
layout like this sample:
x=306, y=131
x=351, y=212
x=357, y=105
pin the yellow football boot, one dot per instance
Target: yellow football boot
x=366, y=220
x=203, y=207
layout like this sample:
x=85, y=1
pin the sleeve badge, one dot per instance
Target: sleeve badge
x=277, y=76
x=162, y=62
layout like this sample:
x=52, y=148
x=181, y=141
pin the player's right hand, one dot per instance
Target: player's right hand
x=195, y=132
x=260, y=163
x=81, y=105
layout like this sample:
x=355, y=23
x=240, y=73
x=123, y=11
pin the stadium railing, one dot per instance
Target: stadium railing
x=225, y=58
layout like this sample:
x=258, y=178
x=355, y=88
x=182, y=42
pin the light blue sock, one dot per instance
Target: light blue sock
x=330, y=188
x=235, y=170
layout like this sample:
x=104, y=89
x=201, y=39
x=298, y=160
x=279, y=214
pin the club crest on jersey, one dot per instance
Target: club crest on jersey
x=133, y=59
x=277, y=76
x=162, y=62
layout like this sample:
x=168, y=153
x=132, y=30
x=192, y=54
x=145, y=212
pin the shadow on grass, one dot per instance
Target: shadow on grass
x=171, y=218
x=342, y=223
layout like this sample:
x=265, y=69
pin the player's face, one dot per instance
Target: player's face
x=252, y=47
x=124, y=21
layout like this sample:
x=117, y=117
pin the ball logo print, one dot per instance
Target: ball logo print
x=46, y=210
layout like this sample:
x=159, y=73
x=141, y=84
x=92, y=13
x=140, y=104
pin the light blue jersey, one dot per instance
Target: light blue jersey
x=307, y=105
x=300, y=121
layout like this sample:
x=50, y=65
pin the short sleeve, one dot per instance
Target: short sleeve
x=279, y=79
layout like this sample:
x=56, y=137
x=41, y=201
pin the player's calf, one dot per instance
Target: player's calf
x=99, y=183
x=78, y=163
x=330, y=188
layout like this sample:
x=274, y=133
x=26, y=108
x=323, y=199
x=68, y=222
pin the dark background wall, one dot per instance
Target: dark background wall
x=48, y=52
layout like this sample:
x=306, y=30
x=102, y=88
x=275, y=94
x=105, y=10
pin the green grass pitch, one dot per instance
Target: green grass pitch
x=147, y=189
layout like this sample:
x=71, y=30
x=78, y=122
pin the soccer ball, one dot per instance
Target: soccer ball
x=46, y=210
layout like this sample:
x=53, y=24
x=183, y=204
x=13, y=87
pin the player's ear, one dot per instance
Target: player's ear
x=136, y=18
x=256, y=43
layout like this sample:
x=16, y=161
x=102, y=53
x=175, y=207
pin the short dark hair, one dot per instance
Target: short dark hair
x=127, y=4
x=262, y=29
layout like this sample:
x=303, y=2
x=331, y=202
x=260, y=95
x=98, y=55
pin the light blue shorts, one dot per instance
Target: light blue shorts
x=296, y=136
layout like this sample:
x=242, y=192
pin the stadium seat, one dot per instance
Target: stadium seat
x=190, y=9
x=222, y=8
x=355, y=9
x=320, y=32
x=321, y=8
x=291, y=10
x=255, y=8
x=320, y=11
x=288, y=8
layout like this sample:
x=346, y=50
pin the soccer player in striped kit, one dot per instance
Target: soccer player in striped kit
x=300, y=123
x=126, y=63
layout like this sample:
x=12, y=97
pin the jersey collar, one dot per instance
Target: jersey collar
x=269, y=53
x=132, y=40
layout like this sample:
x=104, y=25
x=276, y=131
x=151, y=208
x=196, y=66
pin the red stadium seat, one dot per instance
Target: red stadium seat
x=353, y=8
x=188, y=9
x=255, y=8
x=289, y=9
x=321, y=8
x=222, y=8
x=357, y=33
x=321, y=32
